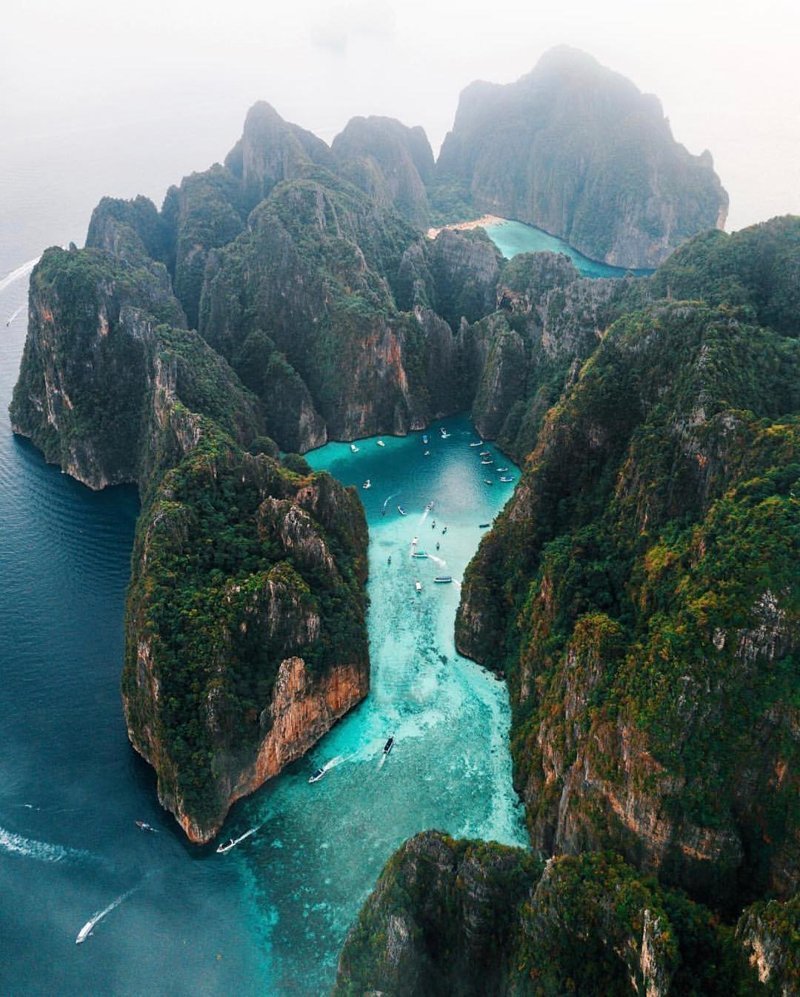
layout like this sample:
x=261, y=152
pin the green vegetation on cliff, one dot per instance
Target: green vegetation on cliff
x=642, y=586
x=578, y=151
x=472, y=918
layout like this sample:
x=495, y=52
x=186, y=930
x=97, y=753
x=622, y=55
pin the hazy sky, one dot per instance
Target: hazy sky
x=164, y=84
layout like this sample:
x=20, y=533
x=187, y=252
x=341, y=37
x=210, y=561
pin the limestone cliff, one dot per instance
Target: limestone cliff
x=636, y=615
x=245, y=620
x=578, y=151
x=388, y=161
x=473, y=918
x=246, y=635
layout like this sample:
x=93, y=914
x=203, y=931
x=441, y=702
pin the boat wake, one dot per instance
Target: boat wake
x=438, y=560
x=388, y=500
x=221, y=849
x=88, y=928
x=18, y=274
x=14, y=315
x=41, y=851
x=333, y=763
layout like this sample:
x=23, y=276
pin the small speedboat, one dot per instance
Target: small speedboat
x=501, y=469
x=488, y=481
x=418, y=585
x=381, y=443
x=145, y=826
x=389, y=745
x=505, y=478
x=430, y=505
x=487, y=460
x=427, y=453
x=367, y=484
x=316, y=775
x=401, y=510
x=221, y=849
x=445, y=434
x=478, y=444
x=486, y=453
x=425, y=438
x=442, y=579
x=353, y=448
x=415, y=541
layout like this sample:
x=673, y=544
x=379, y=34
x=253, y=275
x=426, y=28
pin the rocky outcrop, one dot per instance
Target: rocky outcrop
x=578, y=151
x=770, y=934
x=626, y=650
x=472, y=918
x=235, y=664
x=390, y=162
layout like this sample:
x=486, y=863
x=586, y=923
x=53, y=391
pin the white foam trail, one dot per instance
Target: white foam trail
x=42, y=851
x=17, y=274
x=439, y=560
x=87, y=929
x=14, y=315
x=221, y=849
x=333, y=763
x=388, y=500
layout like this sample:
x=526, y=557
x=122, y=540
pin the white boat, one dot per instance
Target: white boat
x=429, y=506
x=145, y=826
x=221, y=849
x=418, y=585
x=402, y=511
x=381, y=443
x=316, y=775
x=501, y=469
x=427, y=453
x=488, y=481
x=445, y=434
x=353, y=448
x=488, y=460
x=478, y=444
x=486, y=453
x=505, y=478
x=425, y=438
x=367, y=484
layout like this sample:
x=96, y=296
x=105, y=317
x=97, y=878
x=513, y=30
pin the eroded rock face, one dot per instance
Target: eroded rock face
x=770, y=934
x=578, y=151
x=474, y=918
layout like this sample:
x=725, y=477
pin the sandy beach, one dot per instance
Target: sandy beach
x=481, y=222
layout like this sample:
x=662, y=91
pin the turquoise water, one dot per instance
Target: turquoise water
x=269, y=917
x=515, y=237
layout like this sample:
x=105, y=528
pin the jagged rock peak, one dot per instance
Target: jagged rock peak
x=579, y=151
x=390, y=161
x=271, y=150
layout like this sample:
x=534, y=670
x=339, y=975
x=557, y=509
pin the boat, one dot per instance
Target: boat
x=488, y=481
x=221, y=849
x=487, y=461
x=353, y=448
x=415, y=541
x=381, y=443
x=316, y=775
x=401, y=510
x=445, y=434
x=486, y=453
x=419, y=553
x=484, y=526
x=389, y=745
x=425, y=438
x=427, y=453
x=478, y=444
x=501, y=469
x=442, y=579
x=145, y=826
x=418, y=585
x=367, y=484
x=505, y=478
x=430, y=505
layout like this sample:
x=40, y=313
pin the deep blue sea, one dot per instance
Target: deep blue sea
x=268, y=917
x=515, y=237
